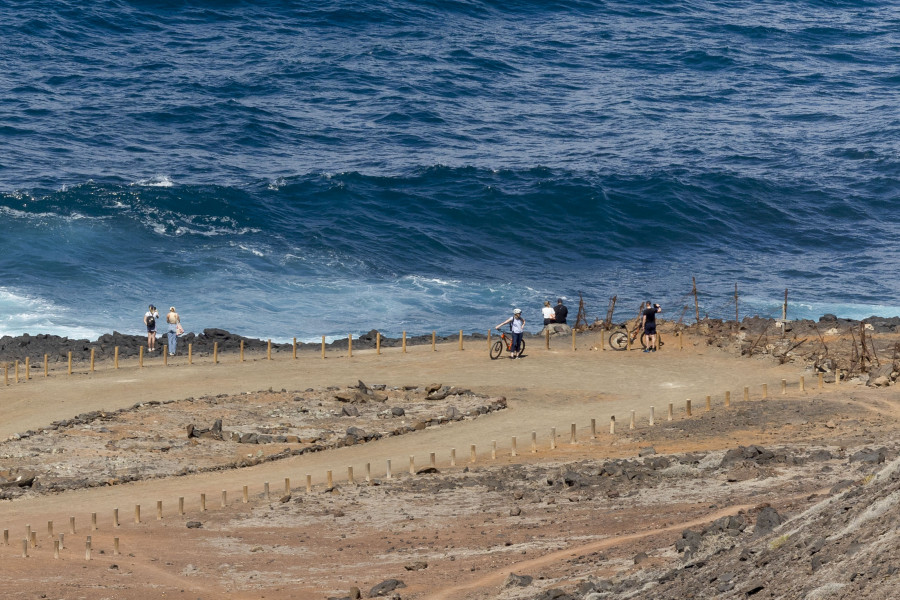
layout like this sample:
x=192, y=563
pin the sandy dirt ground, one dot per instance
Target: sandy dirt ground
x=456, y=531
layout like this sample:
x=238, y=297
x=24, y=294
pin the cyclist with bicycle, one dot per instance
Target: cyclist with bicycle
x=517, y=326
x=648, y=321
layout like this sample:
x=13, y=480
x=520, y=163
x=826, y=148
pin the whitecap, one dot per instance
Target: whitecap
x=155, y=181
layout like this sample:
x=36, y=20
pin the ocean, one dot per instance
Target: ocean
x=287, y=169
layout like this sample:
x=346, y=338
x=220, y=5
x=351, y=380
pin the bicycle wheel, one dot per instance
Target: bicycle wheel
x=496, y=349
x=521, y=347
x=618, y=340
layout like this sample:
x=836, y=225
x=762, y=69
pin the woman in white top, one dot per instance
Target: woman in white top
x=549, y=315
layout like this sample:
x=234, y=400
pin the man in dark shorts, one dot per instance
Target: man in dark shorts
x=648, y=321
x=560, y=311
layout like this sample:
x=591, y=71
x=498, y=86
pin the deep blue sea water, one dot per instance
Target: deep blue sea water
x=286, y=169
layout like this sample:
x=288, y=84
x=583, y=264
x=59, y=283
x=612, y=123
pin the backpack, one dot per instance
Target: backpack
x=151, y=322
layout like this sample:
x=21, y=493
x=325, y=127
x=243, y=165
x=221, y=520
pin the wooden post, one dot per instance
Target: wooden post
x=472, y=451
x=202, y=502
x=350, y=475
x=387, y=473
x=70, y=359
x=746, y=394
x=269, y=350
x=708, y=403
x=92, y=359
x=534, y=442
x=116, y=547
x=6, y=537
x=115, y=517
x=460, y=339
x=553, y=438
x=242, y=350
x=404, y=342
x=802, y=384
x=489, y=340
x=572, y=438
x=612, y=425
x=308, y=483
x=165, y=358
x=224, y=498
x=452, y=457
x=87, y=548
x=93, y=521
x=493, y=449
x=265, y=490
x=246, y=495
x=47, y=366
x=671, y=411
x=181, y=505
x=56, y=548
x=631, y=423
x=837, y=376
x=116, y=358
x=377, y=343
x=17, y=371
x=696, y=300
x=727, y=399
x=215, y=353
x=412, y=465
x=573, y=341
x=765, y=390
x=61, y=540
x=25, y=548
x=49, y=529
x=72, y=525
x=546, y=338
x=349, y=345
x=287, y=486
x=323, y=346
x=190, y=353
x=783, y=387
x=687, y=407
x=137, y=513
x=593, y=429
x=433, y=341
x=294, y=348
x=513, y=451
x=159, y=510
x=368, y=472
x=329, y=480
x=821, y=380
x=652, y=416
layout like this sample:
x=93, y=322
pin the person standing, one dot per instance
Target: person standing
x=150, y=318
x=174, y=322
x=648, y=321
x=560, y=312
x=547, y=312
x=517, y=326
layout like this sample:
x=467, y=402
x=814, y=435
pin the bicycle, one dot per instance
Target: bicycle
x=618, y=340
x=497, y=347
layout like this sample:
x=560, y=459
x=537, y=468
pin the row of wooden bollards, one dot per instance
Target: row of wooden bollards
x=30, y=540
x=23, y=370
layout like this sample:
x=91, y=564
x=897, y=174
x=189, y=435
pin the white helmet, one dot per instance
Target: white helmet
x=517, y=311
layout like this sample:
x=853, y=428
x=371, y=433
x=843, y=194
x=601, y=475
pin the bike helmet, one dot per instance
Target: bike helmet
x=517, y=311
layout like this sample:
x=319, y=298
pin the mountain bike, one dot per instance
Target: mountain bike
x=618, y=340
x=497, y=347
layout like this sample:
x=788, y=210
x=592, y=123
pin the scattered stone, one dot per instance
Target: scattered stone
x=194, y=524
x=514, y=580
x=386, y=587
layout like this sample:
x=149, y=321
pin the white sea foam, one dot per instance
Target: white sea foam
x=155, y=181
x=23, y=313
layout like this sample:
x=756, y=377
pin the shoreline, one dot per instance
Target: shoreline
x=56, y=347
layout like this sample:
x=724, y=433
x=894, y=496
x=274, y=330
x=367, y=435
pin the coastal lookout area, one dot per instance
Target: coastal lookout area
x=445, y=505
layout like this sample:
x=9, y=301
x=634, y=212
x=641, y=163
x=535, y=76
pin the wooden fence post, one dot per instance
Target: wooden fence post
x=323, y=346
x=269, y=350
x=460, y=339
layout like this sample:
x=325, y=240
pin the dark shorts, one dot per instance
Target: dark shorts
x=650, y=328
x=548, y=321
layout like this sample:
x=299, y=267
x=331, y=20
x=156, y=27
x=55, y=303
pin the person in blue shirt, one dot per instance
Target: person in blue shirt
x=517, y=326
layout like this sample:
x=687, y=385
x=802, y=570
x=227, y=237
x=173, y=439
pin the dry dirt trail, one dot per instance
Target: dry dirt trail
x=545, y=389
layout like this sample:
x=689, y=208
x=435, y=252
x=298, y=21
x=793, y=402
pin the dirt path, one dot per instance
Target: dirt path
x=546, y=389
